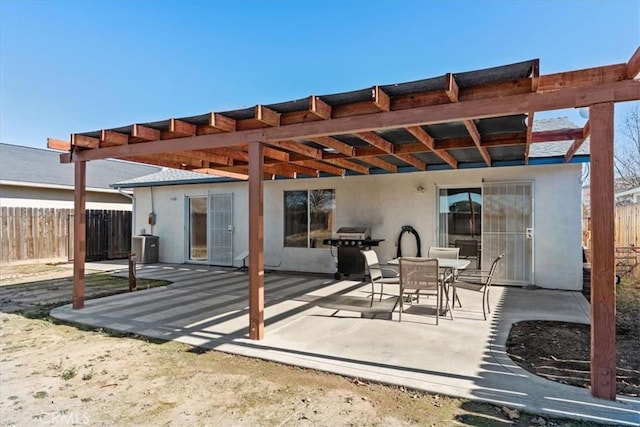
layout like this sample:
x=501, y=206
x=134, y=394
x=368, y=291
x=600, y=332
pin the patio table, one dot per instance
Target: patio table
x=445, y=264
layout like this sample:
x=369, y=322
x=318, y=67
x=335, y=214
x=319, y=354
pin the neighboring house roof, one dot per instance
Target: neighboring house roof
x=556, y=148
x=37, y=167
x=631, y=195
x=541, y=151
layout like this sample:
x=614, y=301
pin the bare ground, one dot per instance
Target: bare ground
x=58, y=374
x=561, y=351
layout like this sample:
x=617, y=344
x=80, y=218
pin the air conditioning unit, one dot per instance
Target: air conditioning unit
x=147, y=248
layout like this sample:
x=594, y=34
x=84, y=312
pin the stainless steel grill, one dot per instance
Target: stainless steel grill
x=350, y=241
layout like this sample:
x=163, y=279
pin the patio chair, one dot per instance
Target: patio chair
x=469, y=249
x=420, y=275
x=478, y=281
x=377, y=274
x=438, y=252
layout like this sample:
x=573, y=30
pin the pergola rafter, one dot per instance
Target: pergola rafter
x=414, y=122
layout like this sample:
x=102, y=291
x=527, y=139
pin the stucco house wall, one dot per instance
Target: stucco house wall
x=385, y=203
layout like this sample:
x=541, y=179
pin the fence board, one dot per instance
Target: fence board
x=47, y=234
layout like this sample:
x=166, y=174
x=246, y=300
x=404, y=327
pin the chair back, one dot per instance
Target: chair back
x=419, y=274
x=468, y=248
x=373, y=265
x=449, y=253
x=492, y=270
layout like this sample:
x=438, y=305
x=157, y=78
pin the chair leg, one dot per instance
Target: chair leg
x=381, y=291
x=373, y=294
x=488, y=306
x=400, y=313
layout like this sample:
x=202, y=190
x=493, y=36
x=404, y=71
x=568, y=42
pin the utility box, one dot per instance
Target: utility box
x=147, y=248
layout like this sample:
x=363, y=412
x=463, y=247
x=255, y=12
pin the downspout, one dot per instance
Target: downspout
x=133, y=210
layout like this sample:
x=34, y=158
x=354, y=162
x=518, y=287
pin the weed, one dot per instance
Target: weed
x=86, y=399
x=12, y=397
x=40, y=394
x=67, y=374
x=87, y=376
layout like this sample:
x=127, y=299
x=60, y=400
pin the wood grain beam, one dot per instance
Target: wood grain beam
x=256, y=241
x=577, y=143
x=586, y=77
x=603, y=288
x=272, y=153
x=633, y=65
x=217, y=123
x=79, y=233
x=109, y=138
x=145, y=133
x=58, y=144
x=266, y=115
x=556, y=135
x=336, y=144
x=156, y=160
x=84, y=141
x=182, y=128
x=529, y=139
x=535, y=75
x=475, y=135
x=320, y=166
x=231, y=153
x=379, y=163
x=380, y=99
x=347, y=164
x=377, y=141
x=207, y=156
x=427, y=140
x=219, y=172
x=319, y=108
x=572, y=97
x=451, y=87
x=299, y=148
x=412, y=160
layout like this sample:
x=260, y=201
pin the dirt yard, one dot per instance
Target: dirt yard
x=53, y=374
x=561, y=351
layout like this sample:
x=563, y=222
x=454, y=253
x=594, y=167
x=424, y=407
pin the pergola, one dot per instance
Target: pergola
x=481, y=118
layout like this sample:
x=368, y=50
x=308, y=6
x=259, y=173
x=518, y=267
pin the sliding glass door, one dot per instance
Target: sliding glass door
x=197, y=215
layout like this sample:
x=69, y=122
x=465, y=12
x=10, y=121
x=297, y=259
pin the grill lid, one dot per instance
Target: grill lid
x=357, y=233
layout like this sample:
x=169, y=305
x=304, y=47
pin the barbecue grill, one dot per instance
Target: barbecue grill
x=350, y=241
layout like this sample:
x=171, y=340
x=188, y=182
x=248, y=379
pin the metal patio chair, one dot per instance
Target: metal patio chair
x=422, y=276
x=377, y=274
x=478, y=281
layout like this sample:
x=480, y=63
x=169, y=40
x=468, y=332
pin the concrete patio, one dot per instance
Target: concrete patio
x=315, y=322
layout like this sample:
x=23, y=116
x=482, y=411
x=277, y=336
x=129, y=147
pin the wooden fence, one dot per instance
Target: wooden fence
x=39, y=234
x=628, y=225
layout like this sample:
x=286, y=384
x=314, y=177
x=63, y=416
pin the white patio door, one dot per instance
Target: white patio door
x=507, y=227
x=221, y=228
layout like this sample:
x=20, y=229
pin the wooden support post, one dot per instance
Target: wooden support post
x=603, y=288
x=79, y=233
x=256, y=241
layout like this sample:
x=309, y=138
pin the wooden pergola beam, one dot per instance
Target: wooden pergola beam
x=58, y=144
x=603, y=288
x=145, y=133
x=266, y=115
x=336, y=144
x=219, y=172
x=379, y=163
x=557, y=135
x=109, y=138
x=295, y=147
x=320, y=166
x=182, y=128
x=256, y=241
x=427, y=140
x=477, y=139
x=347, y=164
x=529, y=139
x=79, y=233
x=633, y=65
x=581, y=78
x=570, y=97
x=377, y=141
x=577, y=143
x=84, y=141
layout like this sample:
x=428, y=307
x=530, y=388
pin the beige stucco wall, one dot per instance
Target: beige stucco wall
x=386, y=203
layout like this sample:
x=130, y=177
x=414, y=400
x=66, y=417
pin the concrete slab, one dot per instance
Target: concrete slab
x=315, y=322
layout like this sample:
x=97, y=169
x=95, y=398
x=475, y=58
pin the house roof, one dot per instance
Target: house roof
x=33, y=166
x=540, y=153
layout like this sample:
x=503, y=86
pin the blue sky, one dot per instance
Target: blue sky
x=72, y=66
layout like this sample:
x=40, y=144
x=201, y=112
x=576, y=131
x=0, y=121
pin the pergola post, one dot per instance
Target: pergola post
x=256, y=241
x=79, y=233
x=603, y=288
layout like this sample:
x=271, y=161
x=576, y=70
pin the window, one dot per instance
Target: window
x=309, y=217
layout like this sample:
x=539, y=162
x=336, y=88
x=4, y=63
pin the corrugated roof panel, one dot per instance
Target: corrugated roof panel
x=447, y=130
x=507, y=152
x=495, y=74
x=506, y=124
x=397, y=136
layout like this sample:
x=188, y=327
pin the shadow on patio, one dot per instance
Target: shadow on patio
x=315, y=322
